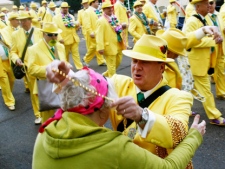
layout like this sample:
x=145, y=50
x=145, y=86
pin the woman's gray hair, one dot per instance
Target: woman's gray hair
x=74, y=96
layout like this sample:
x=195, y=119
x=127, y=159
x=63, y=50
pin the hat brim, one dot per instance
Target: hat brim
x=58, y=31
x=141, y=56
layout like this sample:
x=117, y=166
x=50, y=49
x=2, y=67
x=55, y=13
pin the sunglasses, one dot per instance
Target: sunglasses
x=51, y=34
x=211, y=3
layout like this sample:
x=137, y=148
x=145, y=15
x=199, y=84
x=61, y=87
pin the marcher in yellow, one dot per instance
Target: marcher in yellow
x=139, y=24
x=219, y=59
x=42, y=10
x=2, y=21
x=43, y=53
x=5, y=11
x=122, y=13
x=71, y=40
x=91, y=16
x=199, y=58
x=6, y=75
x=143, y=2
x=50, y=12
x=153, y=14
x=19, y=38
x=36, y=21
x=108, y=38
x=172, y=14
x=21, y=9
x=189, y=10
x=80, y=17
x=15, y=9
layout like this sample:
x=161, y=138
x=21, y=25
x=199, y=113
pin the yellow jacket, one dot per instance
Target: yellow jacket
x=2, y=25
x=41, y=12
x=48, y=17
x=7, y=34
x=41, y=57
x=69, y=35
x=35, y=22
x=80, y=18
x=121, y=12
x=172, y=14
x=106, y=37
x=171, y=110
x=136, y=28
x=19, y=41
x=90, y=21
x=199, y=56
x=151, y=13
x=189, y=11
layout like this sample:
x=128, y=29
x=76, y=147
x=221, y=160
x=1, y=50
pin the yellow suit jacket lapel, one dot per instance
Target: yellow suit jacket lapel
x=45, y=50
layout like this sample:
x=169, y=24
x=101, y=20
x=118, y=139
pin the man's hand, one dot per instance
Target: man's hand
x=201, y=127
x=213, y=31
x=124, y=25
x=128, y=108
x=61, y=41
x=55, y=77
x=92, y=35
x=101, y=52
x=19, y=62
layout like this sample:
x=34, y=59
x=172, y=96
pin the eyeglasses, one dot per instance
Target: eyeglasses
x=211, y=3
x=51, y=34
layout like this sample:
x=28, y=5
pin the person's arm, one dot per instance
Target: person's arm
x=132, y=29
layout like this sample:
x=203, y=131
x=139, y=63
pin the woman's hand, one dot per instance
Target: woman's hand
x=201, y=127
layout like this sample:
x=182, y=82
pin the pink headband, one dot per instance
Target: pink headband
x=100, y=84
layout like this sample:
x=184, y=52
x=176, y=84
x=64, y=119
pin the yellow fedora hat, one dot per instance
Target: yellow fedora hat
x=14, y=7
x=4, y=9
x=50, y=27
x=196, y=1
x=172, y=1
x=84, y=1
x=176, y=40
x=149, y=48
x=2, y=14
x=44, y=2
x=21, y=7
x=51, y=5
x=25, y=15
x=106, y=4
x=137, y=3
x=33, y=5
x=64, y=5
x=13, y=15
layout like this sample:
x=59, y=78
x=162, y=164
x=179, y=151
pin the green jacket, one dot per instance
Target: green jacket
x=76, y=142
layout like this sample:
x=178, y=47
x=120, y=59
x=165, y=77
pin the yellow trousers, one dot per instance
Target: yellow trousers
x=7, y=82
x=113, y=62
x=91, y=51
x=202, y=84
x=74, y=49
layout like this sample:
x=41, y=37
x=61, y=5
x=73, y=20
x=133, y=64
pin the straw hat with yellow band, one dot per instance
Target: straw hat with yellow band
x=64, y=5
x=21, y=7
x=196, y=1
x=50, y=27
x=149, y=48
x=4, y=9
x=13, y=15
x=106, y=4
x=14, y=7
x=44, y=2
x=137, y=3
x=176, y=40
x=84, y=1
x=2, y=14
x=51, y=5
x=25, y=15
x=33, y=5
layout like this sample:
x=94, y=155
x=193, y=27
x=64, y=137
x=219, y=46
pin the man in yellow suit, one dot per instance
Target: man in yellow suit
x=199, y=58
x=153, y=14
x=50, y=12
x=219, y=78
x=36, y=21
x=122, y=13
x=139, y=24
x=71, y=41
x=2, y=21
x=108, y=38
x=5, y=11
x=172, y=14
x=189, y=10
x=19, y=39
x=6, y=76
x=43, y=53
x=91, y=16
x=42, y=10
x=80, y=17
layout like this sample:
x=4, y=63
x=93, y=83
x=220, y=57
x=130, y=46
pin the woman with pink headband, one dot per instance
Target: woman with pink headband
x=76, y=138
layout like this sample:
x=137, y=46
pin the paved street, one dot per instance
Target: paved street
x=18, y=132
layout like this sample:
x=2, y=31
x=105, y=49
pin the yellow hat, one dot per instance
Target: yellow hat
x=149, y=48
x=4, y=9
x=176, y=40
x=2, y=14
x=21, y=7
x=196, y=1
x=13, y=15
x=44, y=2
x=50, y=27
x=64, y=5
x=84, y=1
x=51, y=5
x=14, y=7
x=106, y=4
x=172, y=1
x=90, y=1
x=137, y=3
x=25, y=15
x=33, y=5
